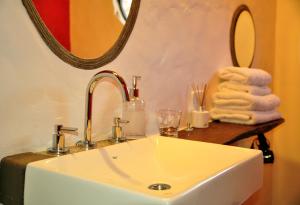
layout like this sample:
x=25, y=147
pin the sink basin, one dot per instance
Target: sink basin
x=190, y=172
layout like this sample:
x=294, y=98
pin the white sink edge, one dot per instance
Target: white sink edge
x=257, y=157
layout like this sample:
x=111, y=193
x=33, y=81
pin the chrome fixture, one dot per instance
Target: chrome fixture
x=87, y=142
x=58, y=143
x=117, y=131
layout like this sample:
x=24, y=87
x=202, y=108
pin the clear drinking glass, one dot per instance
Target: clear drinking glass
x=168, y=122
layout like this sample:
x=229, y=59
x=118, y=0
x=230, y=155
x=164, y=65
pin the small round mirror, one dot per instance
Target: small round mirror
x=242, y=37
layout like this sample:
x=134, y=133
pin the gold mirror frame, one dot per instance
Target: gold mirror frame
x=235, y=18
x=67, y=56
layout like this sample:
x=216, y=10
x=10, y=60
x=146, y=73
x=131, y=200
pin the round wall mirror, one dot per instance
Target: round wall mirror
x=242, y=37
x=85, y=34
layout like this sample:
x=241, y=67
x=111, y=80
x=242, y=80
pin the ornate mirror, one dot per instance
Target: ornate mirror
x=242, y=37
x=85, y=34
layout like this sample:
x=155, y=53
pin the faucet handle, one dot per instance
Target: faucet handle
x=117, y=121
x=117, y=131
x=60, y=129
x=58, y=143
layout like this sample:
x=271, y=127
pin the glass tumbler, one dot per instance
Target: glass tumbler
x=168, y=122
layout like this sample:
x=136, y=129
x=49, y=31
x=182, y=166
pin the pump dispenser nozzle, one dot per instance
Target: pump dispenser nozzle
x=134, y=92
x=134, y=112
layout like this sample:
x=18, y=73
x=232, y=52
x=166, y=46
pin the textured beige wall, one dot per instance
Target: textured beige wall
x=94, y=27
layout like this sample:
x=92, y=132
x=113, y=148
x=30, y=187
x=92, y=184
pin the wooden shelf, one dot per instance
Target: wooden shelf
x=228, y=133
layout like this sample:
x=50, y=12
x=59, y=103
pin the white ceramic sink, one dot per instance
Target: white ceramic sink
x=198, y=173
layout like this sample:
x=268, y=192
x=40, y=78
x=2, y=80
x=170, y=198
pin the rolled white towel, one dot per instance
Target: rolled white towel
x=251, y=89
x=244, y=117
x=244, y=101
x=250, y=76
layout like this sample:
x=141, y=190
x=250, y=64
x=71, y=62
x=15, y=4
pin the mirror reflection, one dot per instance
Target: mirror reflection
x=122, y=8
x=243, y=38
x=87, y=29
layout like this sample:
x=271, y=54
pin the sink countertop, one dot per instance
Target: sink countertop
x=227, y=133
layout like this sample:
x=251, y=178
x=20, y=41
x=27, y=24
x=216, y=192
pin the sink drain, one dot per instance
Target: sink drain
x=159, y=186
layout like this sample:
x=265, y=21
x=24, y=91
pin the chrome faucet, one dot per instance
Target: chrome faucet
x=87, y=142
x=58, y=143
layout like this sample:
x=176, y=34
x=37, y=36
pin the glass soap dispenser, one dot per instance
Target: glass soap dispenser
x=134, y=112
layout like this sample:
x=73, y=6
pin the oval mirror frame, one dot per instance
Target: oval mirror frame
x=235, y=18
x=67, y=56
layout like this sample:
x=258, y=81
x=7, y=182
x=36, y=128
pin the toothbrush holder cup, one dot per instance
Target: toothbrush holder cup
x=168, y=122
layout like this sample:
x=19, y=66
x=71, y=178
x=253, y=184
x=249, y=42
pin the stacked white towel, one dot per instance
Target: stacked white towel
x=244, y=97
x=246, y=76
x=251, y=89
x=244, y=101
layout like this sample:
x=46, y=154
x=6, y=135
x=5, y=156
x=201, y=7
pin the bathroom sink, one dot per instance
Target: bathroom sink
x=151, y=171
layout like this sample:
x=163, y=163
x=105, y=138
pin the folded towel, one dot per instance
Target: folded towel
x=250, y=76
x=251, y=89
x=244, y=117
x=244, y=101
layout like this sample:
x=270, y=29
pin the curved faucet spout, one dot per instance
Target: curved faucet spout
x=88, y=143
